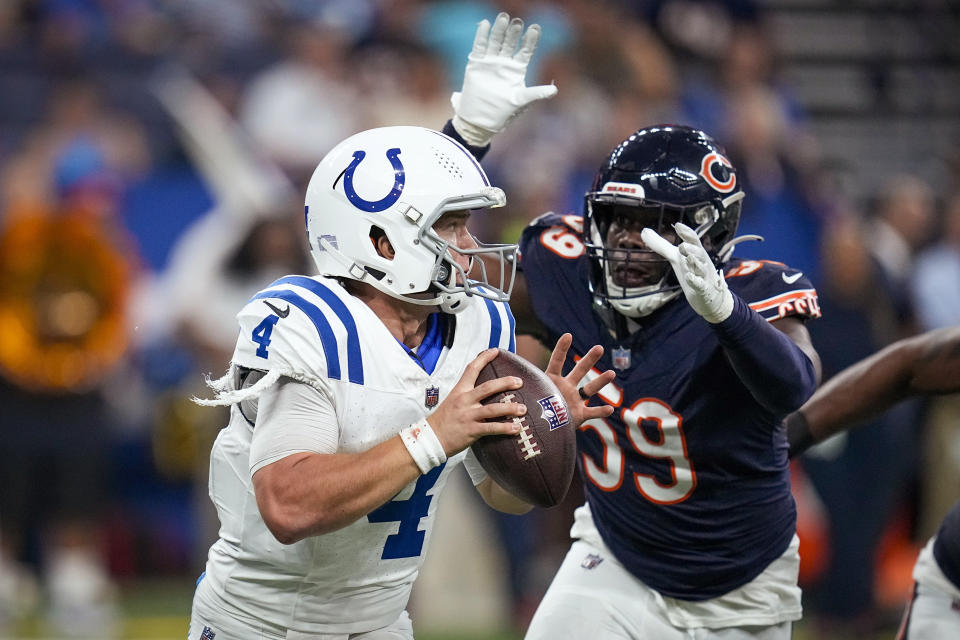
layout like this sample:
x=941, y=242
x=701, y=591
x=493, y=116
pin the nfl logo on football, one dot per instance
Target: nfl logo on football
x=621, y=358
x=432, y=397
x=554, y=412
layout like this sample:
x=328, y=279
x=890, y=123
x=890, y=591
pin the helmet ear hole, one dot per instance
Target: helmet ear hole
x=381, y=243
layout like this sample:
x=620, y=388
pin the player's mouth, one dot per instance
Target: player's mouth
x=634, y=277
x=636, y=268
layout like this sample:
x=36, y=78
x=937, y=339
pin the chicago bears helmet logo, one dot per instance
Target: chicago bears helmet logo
x=399, y=179
x=718, y=172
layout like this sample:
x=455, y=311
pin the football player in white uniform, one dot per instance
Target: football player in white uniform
x=353, y=397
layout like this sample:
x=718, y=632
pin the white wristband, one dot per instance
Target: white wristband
x=424, y=445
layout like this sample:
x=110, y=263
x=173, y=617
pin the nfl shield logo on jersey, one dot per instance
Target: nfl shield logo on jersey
x=554, y=412
x=207, y=634
x=621, y=358
x=432, y=397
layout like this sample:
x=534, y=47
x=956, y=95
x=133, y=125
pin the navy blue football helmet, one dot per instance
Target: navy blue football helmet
x=658, y=176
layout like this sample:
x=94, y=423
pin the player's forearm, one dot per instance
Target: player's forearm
x=858, y=393
x=308, y=494
x=778, y=374
x=925, y=364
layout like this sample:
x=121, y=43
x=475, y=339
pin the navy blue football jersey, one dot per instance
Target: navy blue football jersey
x=688, y=480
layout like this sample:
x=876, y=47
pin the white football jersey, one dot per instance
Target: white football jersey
x=357, y=578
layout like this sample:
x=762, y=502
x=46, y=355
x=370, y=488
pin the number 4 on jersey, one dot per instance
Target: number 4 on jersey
x=262, y=332
x=407, y=542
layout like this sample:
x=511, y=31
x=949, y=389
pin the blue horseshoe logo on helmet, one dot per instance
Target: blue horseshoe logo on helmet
x=384, y=202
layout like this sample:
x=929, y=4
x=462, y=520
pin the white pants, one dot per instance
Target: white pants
x=933, y=615
x=934, y=612
x=207, y=624
x=593, y=596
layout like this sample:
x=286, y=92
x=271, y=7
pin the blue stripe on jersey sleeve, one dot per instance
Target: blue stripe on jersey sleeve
x=496, y=325
x=327, y=339
x=354, y=358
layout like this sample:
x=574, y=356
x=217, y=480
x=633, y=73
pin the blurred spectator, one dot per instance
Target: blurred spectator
x=747, y=61
x=115, y=149
x=900, y=227
x=300, y=107
x=699, y=30
x=409, y=82
x=779, y=206
x=937, y=274
x=66, y=269
x=738, y=96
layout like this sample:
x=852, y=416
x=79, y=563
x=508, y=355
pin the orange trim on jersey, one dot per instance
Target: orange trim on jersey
x=802, y=301
x=747, y=267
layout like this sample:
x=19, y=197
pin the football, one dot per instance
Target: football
x=536, y=464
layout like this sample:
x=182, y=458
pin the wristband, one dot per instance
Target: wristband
x=474, y=135
x=424, y=445
x=476, y=151
x=798, y=434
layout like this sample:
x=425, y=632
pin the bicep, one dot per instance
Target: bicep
x=292, y=417
x=798, y=333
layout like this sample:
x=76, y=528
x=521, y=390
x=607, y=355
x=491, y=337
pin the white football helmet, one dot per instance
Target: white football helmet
x=399, y=181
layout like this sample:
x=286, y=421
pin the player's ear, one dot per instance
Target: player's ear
x=382, y=243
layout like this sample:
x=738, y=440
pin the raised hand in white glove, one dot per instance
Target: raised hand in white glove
x=702, y=284
x=494, y=84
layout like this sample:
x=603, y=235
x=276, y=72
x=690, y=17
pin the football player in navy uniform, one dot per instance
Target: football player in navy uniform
x=928, y=364
x=689, y=525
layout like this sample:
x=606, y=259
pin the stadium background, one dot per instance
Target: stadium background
x=153, y=154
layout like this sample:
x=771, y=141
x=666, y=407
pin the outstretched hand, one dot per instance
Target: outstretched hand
x=703, y=286
x=569, y=385
x=494, y=84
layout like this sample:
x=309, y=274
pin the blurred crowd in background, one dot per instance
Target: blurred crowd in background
x=153, y=157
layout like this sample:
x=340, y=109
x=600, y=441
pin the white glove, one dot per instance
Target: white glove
x=494, y=84
x=702, y=284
